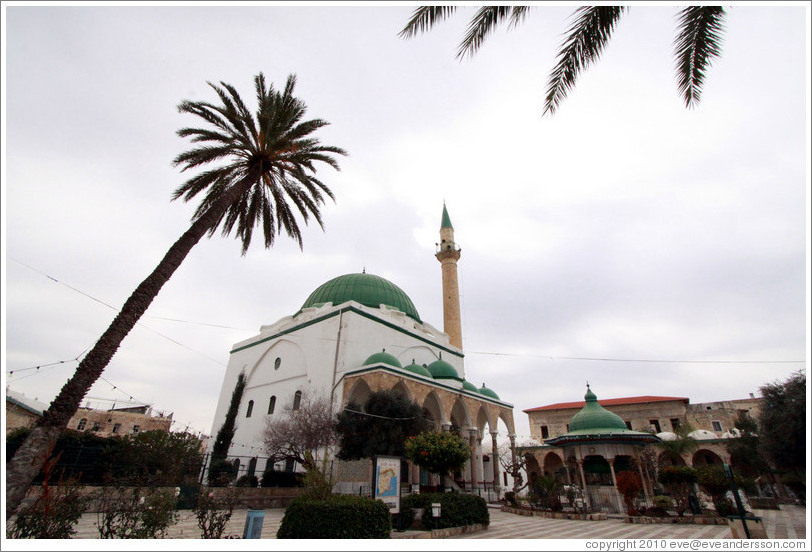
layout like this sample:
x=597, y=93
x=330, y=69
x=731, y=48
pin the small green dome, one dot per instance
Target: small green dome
x=440, y=369
x=593, y=418
x=383, y=358
x=468, y=386
x=417, y=369
x=488, y=392
x=367, y=289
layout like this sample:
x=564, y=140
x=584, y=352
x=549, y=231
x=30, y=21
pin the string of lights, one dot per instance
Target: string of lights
x=491, y=353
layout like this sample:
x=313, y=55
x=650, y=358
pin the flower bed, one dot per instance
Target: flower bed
x=594, y=516
x=696, y=520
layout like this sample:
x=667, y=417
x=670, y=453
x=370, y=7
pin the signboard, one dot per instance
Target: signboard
x=386, y=481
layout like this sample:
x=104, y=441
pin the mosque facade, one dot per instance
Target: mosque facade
x=354, y=335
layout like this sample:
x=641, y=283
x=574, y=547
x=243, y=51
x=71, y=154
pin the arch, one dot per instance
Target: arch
x=402, y=389
x=705, y=457
x=532, y=467
x=553, y=464
x=431, y=404
x=252, y=467
x=297, y=400
x=359, y=393
x=507, y=417
x=459, y=415
x=663, y=459
x=250, y=409
x=271, y=404
x=483, y=418
x=292, y=363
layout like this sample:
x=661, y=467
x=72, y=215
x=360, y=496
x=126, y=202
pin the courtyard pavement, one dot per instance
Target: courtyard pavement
x=787, y=523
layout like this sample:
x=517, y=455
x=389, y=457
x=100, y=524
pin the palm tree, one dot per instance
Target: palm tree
x=675, y=449
x=698, y=42
x=264, y=176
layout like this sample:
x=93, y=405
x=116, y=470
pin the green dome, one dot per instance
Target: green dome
x=367, y=289
x=593, y=418
x=468, y=386
x=488, y=392
x=419, y=370
x=440, y=369
x=383, y=358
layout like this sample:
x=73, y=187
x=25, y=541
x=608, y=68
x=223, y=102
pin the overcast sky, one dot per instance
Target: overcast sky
x=624, y=228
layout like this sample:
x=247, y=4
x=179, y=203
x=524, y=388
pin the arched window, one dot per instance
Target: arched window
x=252, y=467
x=250, y=409
x=237, y=467
x=82, y=424
x=297, y=399
x=272, y=404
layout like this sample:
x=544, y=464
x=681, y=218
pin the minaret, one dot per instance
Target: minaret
x=448, y=255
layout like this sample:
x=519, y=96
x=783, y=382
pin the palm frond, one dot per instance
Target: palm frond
x=486, y=19
x=424, y=18
x=698, y=42
x=583, y=45
x=267, y=178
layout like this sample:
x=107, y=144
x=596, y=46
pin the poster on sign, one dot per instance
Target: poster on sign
x=386, y=481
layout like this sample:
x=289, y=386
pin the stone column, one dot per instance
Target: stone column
x=512, y=437
x=612, y=471
x=472, y=458
x=497, y=486
x=583, y=479
x=643, y=478
x=446, y=426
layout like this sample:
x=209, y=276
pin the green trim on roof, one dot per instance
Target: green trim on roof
x=367, y=289
x=435, y=383
x=446, y=223
x=336, y=313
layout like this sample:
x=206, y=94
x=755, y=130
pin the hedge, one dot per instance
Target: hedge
x=338, y=517
x=456, y=509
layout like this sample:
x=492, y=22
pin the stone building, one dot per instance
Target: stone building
x=22, y=411
x=354, y=335
x=119, y=421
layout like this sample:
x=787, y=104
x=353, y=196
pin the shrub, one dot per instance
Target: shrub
x=723, y=505
x=678, y=480
x=247, y=481
x=213, y=513
x=136, y=513
x=338, y=517
x=273, y=478
x=510, y=498
x=630, y=486
x=53, y=514
x=456, y=510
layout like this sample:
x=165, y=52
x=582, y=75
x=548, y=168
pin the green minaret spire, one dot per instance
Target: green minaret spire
x=446, y=219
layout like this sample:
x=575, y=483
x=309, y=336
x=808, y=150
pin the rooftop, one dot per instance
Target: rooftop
x=608, y=402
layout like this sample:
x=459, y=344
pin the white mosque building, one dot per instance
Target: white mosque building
x=356, y=334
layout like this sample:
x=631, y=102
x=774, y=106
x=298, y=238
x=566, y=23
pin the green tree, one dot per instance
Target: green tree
x=380, y=428
x=160, y=458
x=698, y=42
x=220, y=470
x=437, y=451
x=744, y=449
x=782, y=422
x=264, y=175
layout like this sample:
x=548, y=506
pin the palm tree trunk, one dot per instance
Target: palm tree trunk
x=32, y=454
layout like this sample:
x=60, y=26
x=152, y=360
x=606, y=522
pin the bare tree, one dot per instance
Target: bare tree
x=303, y=433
